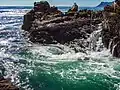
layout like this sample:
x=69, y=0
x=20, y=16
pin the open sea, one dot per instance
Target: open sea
x=51, y=67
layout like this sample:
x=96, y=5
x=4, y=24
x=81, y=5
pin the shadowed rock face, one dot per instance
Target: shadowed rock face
x=111, y=29
x=61, y=30
x=118, y=2
x=50, y=26
x=115, y=47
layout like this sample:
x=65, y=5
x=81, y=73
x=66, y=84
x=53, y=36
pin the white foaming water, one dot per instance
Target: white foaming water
x=100, y=62
x=95, y=39
x=39, y=57
x=13, y=12
x=95, y=62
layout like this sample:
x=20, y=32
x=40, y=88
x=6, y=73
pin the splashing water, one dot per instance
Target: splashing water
x=53, y=67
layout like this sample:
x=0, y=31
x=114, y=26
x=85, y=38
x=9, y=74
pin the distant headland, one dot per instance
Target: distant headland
x=103, y=4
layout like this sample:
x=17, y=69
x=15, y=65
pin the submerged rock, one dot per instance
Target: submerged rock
x=6, y=85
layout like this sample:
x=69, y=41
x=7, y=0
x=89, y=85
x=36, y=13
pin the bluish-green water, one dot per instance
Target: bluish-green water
x=51, y=67
x=71, y=71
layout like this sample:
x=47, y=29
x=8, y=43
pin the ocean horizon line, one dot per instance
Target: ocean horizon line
x=59, y=7
x=33, y=6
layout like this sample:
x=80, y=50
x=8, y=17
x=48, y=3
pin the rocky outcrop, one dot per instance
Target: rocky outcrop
x=50, y=26
x=111, y=28
x=41, y=11
x=60, y=30
x=72, y=10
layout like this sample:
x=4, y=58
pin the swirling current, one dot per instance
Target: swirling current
x=51, y=67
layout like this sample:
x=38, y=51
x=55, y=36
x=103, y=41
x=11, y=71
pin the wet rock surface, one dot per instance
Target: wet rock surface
x=50, y=26
x=111, y=28
x=6, y=84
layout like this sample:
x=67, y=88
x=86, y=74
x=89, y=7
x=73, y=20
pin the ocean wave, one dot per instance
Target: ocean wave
x=13, y=12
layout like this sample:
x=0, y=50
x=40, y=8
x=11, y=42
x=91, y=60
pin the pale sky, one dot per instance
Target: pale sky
x=53, y=2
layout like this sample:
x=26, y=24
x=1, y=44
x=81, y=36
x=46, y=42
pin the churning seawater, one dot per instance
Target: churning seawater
x=51, y=67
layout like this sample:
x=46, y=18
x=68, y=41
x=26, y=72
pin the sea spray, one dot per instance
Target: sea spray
x=54, y=67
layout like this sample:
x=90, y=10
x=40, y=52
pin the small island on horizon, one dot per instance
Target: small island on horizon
x=103, y=4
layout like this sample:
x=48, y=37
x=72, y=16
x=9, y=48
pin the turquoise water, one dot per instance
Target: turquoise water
x=69, y=71
x=52, y=67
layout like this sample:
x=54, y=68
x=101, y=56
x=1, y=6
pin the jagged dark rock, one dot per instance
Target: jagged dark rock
x=111, y=28
x=42, y=6
x=54, y=26
x=116, y=50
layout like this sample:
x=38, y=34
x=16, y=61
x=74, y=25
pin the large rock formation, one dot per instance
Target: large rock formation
x=41, y=11
x=111, y=28
x=48, y=25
